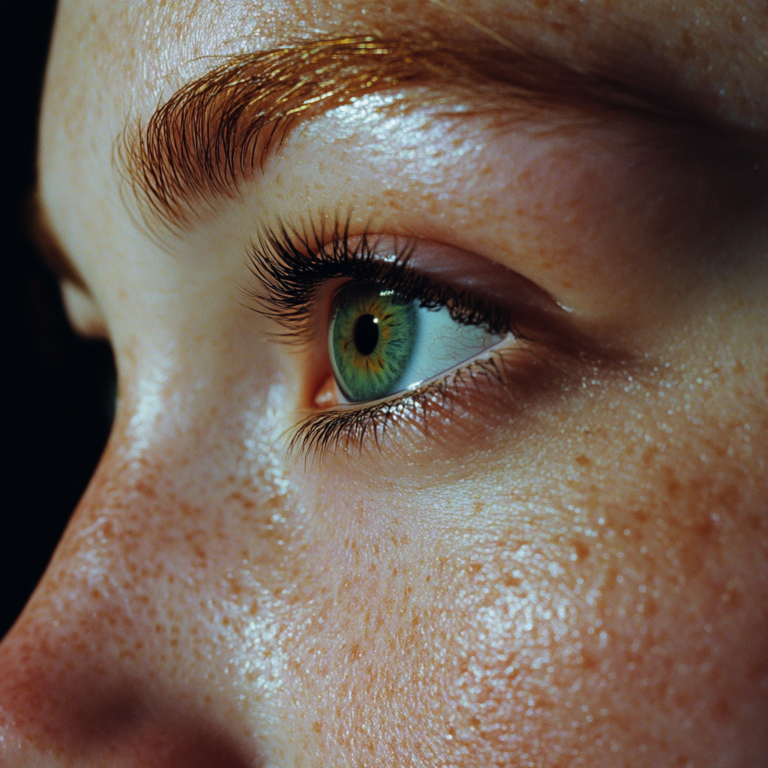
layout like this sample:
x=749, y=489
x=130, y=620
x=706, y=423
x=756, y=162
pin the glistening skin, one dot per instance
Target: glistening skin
x=549, y=553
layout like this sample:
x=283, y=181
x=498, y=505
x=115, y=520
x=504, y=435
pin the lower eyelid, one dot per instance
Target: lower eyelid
x=454, y=408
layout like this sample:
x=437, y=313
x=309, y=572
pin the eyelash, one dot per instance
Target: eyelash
x=291, y=266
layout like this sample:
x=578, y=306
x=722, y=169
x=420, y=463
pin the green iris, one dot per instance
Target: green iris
x=372, y=336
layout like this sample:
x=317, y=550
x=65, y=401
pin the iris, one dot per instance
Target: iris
x=381, y=342
x=372, y=338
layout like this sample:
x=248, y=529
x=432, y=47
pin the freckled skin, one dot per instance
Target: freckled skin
x=578, y=579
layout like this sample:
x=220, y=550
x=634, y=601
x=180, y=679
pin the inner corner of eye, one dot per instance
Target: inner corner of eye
x=327, y=394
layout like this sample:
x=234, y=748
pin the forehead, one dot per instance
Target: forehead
x=155, y=47
x=114, y=61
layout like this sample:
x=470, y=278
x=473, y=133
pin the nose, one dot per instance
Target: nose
x=93, y=673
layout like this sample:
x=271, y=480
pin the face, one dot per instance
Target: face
x=442, y=337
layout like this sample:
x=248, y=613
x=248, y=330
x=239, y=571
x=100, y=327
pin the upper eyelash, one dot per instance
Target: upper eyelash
x=291, y=265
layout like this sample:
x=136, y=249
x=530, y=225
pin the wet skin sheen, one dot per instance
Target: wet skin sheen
x=562, y=565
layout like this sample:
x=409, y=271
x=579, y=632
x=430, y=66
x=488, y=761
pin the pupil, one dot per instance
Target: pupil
x=366, y=334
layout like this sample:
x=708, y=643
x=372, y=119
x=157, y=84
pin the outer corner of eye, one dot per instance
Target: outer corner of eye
x=83, y=312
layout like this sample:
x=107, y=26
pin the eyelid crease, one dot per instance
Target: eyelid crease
x=216, y=130
x=289, y=263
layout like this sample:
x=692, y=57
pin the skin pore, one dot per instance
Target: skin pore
x=561, y=560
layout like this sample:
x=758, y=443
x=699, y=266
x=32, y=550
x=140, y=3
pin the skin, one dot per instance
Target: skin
x=575, y=575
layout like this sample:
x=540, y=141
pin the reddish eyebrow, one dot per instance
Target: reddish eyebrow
x=216, y=130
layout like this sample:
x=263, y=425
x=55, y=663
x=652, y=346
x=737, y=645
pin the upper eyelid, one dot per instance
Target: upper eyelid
x=287, y=271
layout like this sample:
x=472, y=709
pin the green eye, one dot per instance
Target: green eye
x=372, y=336
x=381, y=342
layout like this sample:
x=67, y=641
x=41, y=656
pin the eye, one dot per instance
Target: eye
x=402, y=336
x=381, y=342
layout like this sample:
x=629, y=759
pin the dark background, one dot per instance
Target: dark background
x=57, y=388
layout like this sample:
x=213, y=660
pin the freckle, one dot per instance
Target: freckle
x=511, y=581
x=583, y=460
x=317, y=727
x=673, y=488
x=721, y=710
x=146, y=490
x=582, y=550
x=354, y=650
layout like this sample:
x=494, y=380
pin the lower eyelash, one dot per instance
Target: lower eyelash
x=354, y=428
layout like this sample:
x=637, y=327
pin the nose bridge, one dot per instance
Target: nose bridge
x=82, y=671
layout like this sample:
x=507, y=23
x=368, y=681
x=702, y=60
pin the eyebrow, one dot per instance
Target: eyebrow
x=218, y=129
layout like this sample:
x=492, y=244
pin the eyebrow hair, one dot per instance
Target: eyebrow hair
x=219, y=128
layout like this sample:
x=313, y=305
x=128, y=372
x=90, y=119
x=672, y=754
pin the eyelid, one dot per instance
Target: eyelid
x=291, y=267
x=289, y=262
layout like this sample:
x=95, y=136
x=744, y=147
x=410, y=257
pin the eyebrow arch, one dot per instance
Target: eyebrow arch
x=216, y=130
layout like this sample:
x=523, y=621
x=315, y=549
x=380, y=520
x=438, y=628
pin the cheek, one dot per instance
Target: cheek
x=619, y=611
x=632, y=621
